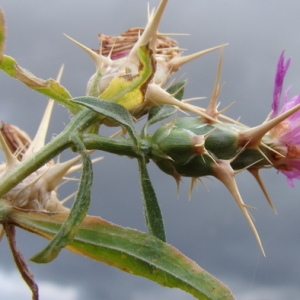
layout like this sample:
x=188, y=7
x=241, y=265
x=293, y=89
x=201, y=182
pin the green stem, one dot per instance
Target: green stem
x=107, y=144
x=80, y=122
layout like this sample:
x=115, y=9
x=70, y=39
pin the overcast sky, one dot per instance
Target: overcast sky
x=210, y=228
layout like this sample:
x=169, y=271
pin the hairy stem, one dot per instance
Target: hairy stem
x=108, y=144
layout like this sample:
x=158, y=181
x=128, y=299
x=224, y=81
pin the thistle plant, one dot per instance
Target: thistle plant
x=131, y=81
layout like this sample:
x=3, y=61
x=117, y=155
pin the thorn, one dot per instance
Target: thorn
x=264, y=155
x=224, y=109
x=111, y=49
x=273, y=150
x=225, y=174
x=150, y=32
x=179, y=89
x=56, y=172
x=177, y=180
x=255, y=173
x=248, y=166
x=11, y=160
x=68, y=198
x=78, y=167
x=253, y=136
x=177, y=62
x=65, y=181
x=212, y=108
x=203, y=183
x=40, y=137
x=200, y=147
x=99, y=60
x=192, y=185
x=155, y=95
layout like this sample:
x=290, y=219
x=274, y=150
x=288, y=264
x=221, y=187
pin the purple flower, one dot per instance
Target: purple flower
x=279, y=78
x=287, y=133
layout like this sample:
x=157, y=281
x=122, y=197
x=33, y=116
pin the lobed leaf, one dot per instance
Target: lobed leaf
x=129, y=250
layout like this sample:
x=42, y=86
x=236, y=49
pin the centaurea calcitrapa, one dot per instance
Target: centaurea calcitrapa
x=133, y=70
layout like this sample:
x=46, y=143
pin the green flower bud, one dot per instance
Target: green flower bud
x=221, y=139
x=179, y=145
x=190, y=147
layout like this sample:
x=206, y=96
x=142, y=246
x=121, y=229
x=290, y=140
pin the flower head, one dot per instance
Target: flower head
x=38, y=190
x=133, y=68
x=286, y=134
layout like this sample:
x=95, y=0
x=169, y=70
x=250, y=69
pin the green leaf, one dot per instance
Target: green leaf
x=130, y=251
x=50, y=87
x=111, y=110
x=154, y=219
x=77, y=214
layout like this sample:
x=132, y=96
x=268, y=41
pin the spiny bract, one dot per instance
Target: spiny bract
x=38, y=190
x=133, y=68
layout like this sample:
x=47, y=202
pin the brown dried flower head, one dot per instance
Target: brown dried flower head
x=38, y=190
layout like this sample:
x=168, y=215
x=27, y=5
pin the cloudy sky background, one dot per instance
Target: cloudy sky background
x=210, y=228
